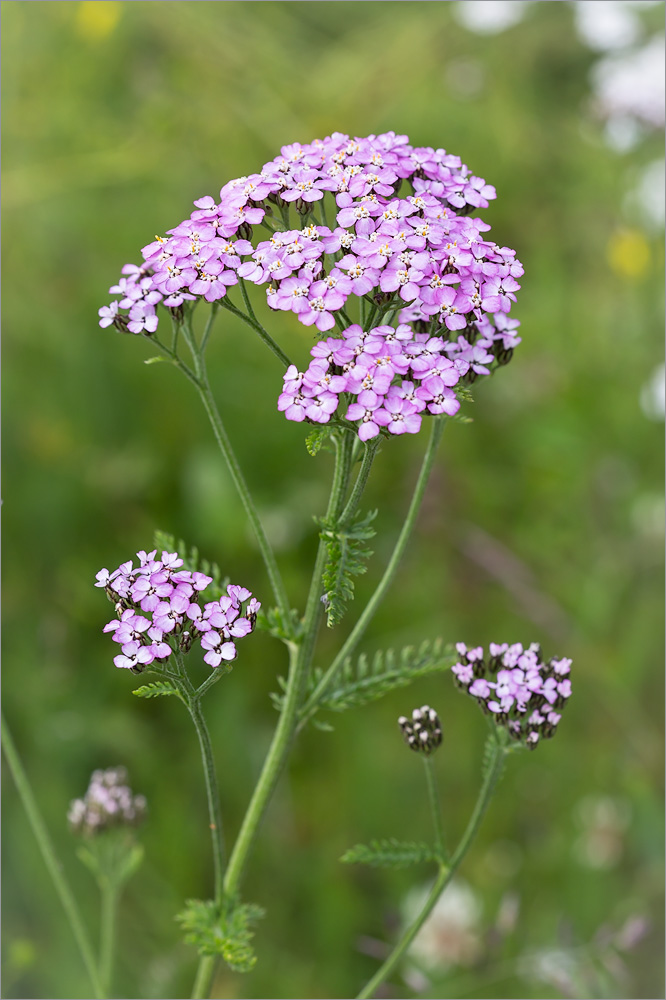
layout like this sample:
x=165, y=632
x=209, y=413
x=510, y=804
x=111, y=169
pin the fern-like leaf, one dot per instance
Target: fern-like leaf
x=316, y=439
x=390, y=854
x=193, y=562
x=363, y=680
x=346, y=554
x=228, y=934
x=156, y=689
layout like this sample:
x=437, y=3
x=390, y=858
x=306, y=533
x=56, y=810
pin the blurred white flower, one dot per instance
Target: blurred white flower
x=451, y=934
x=630, y=85
x=554, y=966
x=647, y=198
x=653, y=395
x=603, y=821
x=488, y=17
x=606, y=24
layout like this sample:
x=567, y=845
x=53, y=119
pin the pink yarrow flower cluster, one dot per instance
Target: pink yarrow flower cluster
x=392, y=376
x=523, y=693
x=376, y=219
x=160, y=610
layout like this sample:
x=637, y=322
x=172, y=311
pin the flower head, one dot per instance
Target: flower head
x=401, y=237
x=160, y=610
x=423, y=732
x=521, y=692
x=108, y=802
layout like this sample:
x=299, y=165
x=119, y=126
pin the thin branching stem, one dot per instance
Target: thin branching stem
x=300, y=662
x=252, y=321
x=435, y=805
x=366, y=616
x=51, y=859
x=492, y=774
x=224, y=444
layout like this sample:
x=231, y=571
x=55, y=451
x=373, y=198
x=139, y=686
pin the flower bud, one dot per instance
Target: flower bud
x=423, y=732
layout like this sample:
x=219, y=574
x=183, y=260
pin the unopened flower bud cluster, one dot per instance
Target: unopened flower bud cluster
x=524, y=694
x=423, y=732
x=160, y=610
x=379, y=220
x=109, y=802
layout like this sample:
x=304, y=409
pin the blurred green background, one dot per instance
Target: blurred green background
x=543, y=520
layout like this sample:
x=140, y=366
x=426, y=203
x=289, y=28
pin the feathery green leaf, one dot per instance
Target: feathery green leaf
x=228, y=934
x=390, y=854
x=155, y=689
x=365, y=679
x=346, y=551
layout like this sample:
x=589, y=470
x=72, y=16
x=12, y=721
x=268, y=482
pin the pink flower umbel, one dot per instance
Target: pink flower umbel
x=516, y=688
x=403, y=240
x=173, y=612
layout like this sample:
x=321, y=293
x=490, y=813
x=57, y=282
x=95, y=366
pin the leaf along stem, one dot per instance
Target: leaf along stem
x=367, y=614
x=50, y=858
x=492, y=775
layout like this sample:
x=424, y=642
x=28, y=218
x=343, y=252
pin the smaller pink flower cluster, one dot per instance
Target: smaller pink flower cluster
x=172, y=617
x=514, y=685
x=392, y=376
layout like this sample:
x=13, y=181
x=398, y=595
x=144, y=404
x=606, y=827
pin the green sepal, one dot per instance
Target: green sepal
x=390, y=854
x=227, y=933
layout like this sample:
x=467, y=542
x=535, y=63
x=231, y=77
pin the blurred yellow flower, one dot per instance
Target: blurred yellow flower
x=628, y=253
x=95, y=19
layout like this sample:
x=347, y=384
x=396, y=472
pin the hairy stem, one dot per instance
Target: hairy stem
x=366, y=616
x=492, y=775
x=361, y=481
x=50, y=858
x=300, y=661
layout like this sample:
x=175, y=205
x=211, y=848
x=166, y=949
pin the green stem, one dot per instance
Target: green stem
x=361, y=481
x=492, y=775
x=213, y=795
x=300, y=660
x=109, y=901
x=364, y=620
x=258, y=328
x=435, y=805
x=204, y=978
x=50, y=859
x=225, y=447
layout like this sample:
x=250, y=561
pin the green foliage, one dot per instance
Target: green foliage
x=228, y=934
x=346, y=551
x=362, y=679
x=193, y=562
x=390, y=854
x=316, y=439
x=274, y=623
x=155, y=689
x=112, y=856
